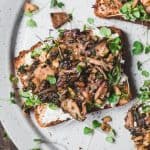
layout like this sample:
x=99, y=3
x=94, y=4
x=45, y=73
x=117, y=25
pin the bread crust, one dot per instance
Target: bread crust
x=118, y=16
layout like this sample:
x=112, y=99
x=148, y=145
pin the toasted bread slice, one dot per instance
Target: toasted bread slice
x=116, y=9
x=46, y=116
x=78, y=72
x=137, y=122
x=59, y=19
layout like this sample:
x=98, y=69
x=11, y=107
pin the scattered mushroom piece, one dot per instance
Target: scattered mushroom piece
x=71, y=107
x=29, y=7
x=106, y=119
x=59, y=19
x=105, y=127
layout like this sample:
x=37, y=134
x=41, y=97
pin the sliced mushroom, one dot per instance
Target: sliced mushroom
x=59, y=19
x=71, y=107
x=101, y=91
x=129, y=120
x=29, y=7
x=102, y=49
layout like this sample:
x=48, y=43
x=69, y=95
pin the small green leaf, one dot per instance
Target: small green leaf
x=36, y=53
x=110, y=139
x=38, y=140
x=53, y=3
x=113, y=98
x=139, y=65
x=90, y=20
x=31, y=23
x=106, y=32
x=145, y=73
x=51, y=79
x=60, y=4
x=112, y=133
x=28, y=14
x=137, y=48
x=53, y=106
x=13, y=79
x=96, y=124
x=79, y=68
x=88, y=130
x=146, y=109
x=147, y=49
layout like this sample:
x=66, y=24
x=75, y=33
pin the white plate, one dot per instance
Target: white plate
x=15, y=36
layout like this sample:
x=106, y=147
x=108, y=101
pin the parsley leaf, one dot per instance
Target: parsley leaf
x=51, y=79
x=137, y=48
x=106, y=32
x=111, y=136
x=147, y=49
x=88, y=130
x=53, y=106
x=145, y=73
x=79, y=68
x=96, y=124
x=113, y=99
x=110, y=139
x=31, y=23
x=114, y=44
x=90, y=20
x=31, y=100
x=36, y=53
x=28, y=14
x=139, y=65
x=55, y=3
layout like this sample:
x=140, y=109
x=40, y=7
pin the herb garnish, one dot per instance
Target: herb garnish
x=113, y=99
x=88, y=130
x=51, y=79
x=114, y=44
x=147, y=49
x=12, y=98
x=106, y=32
x=111, y=136
x=134, y=13
x=90, y=20
x=56, y=3
x=31, y=100
x=138, y=48
x=31, y=23
x=96, y=124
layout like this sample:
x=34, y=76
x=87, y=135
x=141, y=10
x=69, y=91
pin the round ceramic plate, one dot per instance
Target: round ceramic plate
x=16, y=36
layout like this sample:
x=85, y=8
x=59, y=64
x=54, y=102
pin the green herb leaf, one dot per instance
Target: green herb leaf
x=137, y=48
x=146, y=109
x=139, y=65
x=13, y=79
x=147, y=49
x=112, y=133
x=79, y=68
x=110, y=139
x=38, y=140
x=96, y=124
x=31, y=100
x=53, y=3
x=51, y=79
x=28, y=14
x=145, y=73
x=114, y=45
x=60, y=4
x=12, y=98
x=88, y=130
x=106, y=32
x=53, y=106
x=61, y=32
x=113, y=99
x=90, y=20
x=36, y=53
x=31, y=23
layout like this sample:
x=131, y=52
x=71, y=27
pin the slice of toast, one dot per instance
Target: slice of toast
x=119, y=10
x=80, y=72
x=138, y=123
x=46, y=116
x=59, y=19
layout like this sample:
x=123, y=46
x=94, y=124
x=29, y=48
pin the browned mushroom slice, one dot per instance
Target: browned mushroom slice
x=59, y=19
x=107, y=8
x=129, y=120
x=29, y=7
x=146, y=4
x=102, y=49
x=71, y=107
x=101, y=91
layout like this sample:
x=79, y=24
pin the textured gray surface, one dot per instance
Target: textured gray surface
x=5, y=142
